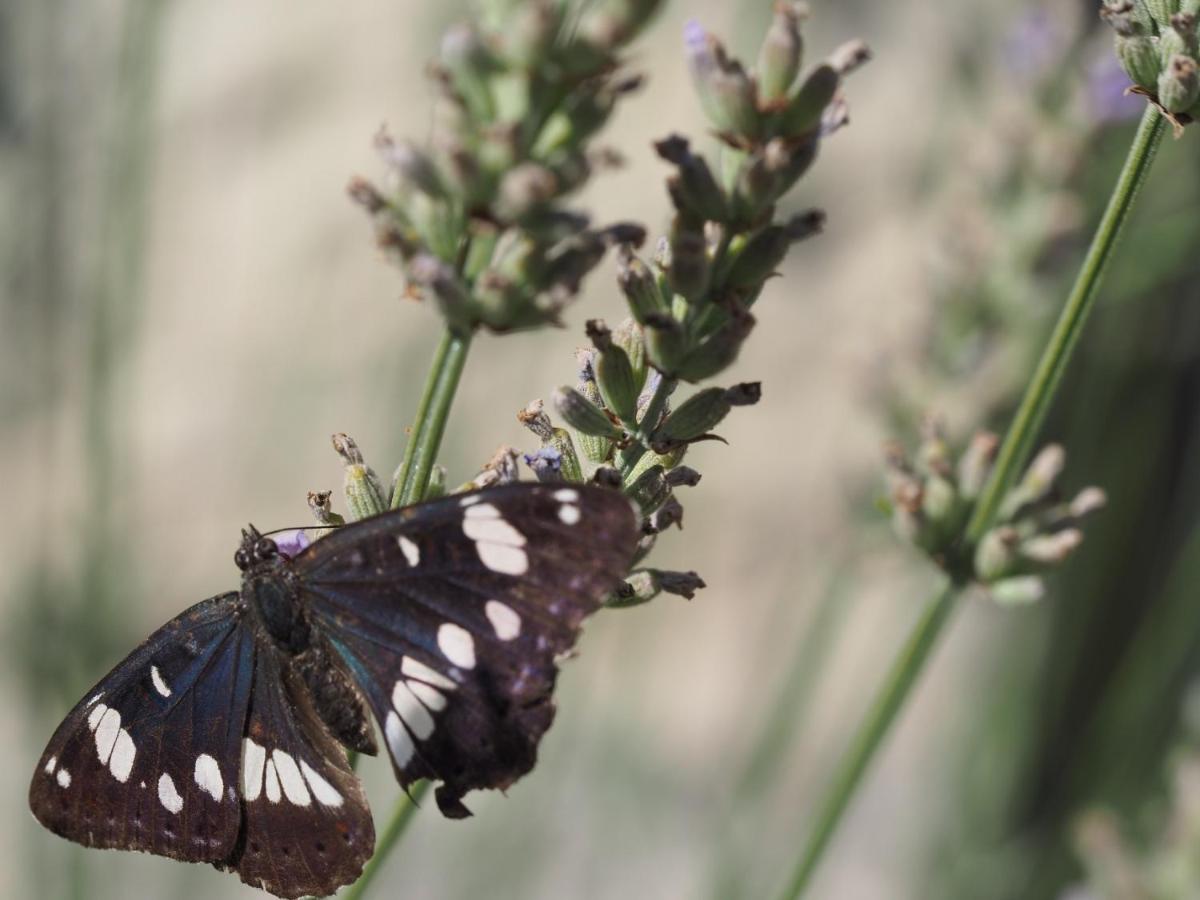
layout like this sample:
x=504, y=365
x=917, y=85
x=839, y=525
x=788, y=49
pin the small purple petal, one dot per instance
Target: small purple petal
x=290, y=543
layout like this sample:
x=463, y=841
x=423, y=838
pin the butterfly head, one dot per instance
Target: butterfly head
x=255, y=550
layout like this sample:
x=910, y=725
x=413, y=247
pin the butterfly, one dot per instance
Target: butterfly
x=223, y=737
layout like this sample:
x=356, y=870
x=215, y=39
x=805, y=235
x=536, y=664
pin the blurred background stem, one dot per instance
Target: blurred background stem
x=1018, y=441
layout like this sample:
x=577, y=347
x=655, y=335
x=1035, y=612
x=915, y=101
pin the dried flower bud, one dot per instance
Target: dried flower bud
x=524, y=189
x=683, y=476
x=1037, y=481
x=726, y=92
x=639, y=286
x=546, y=464
x=1088, y=501
x=411, y=163
x=322, y=509
x=850, y=56
x=1018, y=591
x=688, y=274
x=1051, y=549
x=583, y=415
x=649, y=490
x=668, y=514
x=695, y=417
x=666, y=343
x=694, y=189
x=363, y=490
x=535, y=419
x=639, y=588
x=803, y=113
x=976, y=464
x=628, y=336
x=451, y=294
x=607, y=477
x=781, y=54
x=718, y=351
x=1179, y=84
x=683, y=584
x=996, y=555
x=614, y=373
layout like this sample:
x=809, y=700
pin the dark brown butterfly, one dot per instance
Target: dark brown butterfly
x=221, y=739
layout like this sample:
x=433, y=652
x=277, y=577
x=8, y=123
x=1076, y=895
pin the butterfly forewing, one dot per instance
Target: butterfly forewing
x=308, y=829
x=450, y=615
x=148, y=760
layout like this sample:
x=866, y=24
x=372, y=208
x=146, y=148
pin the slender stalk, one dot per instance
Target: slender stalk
x=396, y=827
x=1017, y=443
x=432, y=425
x=1030, y=415
x=414, y=435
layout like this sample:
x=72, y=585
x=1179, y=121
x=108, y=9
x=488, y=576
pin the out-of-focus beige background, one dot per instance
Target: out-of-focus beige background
x=193, y=359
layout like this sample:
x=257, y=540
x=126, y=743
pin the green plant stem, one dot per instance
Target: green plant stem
x=1030, y=415
x=869, y=736
x=392, y=833
x=1014, y=451
x=414, y=434
x=427, y=439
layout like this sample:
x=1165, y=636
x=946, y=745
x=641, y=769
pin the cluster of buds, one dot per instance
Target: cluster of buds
x=694, y=301
x=691, y=303
x=476, y=219
x=1158, y=46
x=932, y=497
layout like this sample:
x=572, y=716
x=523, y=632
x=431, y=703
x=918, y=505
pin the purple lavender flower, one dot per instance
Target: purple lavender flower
x=290, y=543
x=1033, y=45
x=546, y=464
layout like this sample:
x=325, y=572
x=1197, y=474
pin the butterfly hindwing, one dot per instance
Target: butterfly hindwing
x=451, y=614
x=308, y=828
x=147, y=761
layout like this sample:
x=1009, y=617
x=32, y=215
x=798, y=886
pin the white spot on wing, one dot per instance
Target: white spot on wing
x=290, y=778
x=504, y=619
x=274, y=794
x=431, y=697
x=123, y=754
x=93, y=699
x=456, y=643
x=96, y=715
x=413, y=714
x=411, y=551
x=414, y=668
x=106, y=733
x=50, y=764
x=503, y=559
x=568, y=513
x=208, y=776
x=253, y=759
x=484, y=522
x=566, y=495
x=469, y=500
x=159, y=684
x=63, y=778
x=398, y=740
x=325, y=792
x=167, y=795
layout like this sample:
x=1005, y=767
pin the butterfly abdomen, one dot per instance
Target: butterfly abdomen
x=335, y=698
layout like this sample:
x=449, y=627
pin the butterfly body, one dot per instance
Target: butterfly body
x=222, y=738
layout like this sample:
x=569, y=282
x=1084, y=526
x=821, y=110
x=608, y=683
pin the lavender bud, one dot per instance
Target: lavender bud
x=614, y=373
x=451, y=294
x=437, y=484
x=940, y=504
x=683, y=476
x=726, y=92
x=1179, y=84
x=412, y=164
x=759, y=258
x=1087, y=502
x=614, y=23
x=850, y=56
x=596, y=449
x=803, y=113
x=1139, y=58
x=996, y=555
x=628, y=336
x=535, y=419
x=688, y=274
x=530, y=32
x=1051, y=549
x=1161, y=10
x=1019, y=591
x=546, y=464
x=683, y=584
x=1037, y=481
x=781, y=53
x=976, y=464
x=583, y=415
x=649, y=490
x=322, y=509
x=694, y=189
x=670, y=513
x=470, y=66
x=666, y=343
x=933, y=455
x=366, y=195
x=718, y=351
x=524, y=189
x=640, y=587
x=363, y=490
x=639, y=286
x=695, y=417
x=1179, y=39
